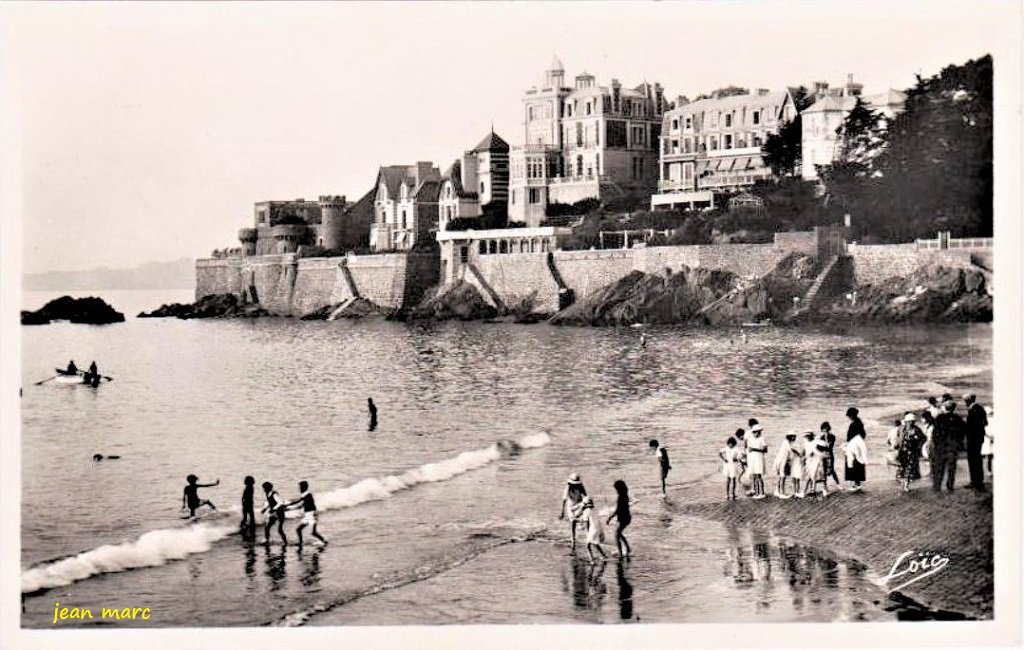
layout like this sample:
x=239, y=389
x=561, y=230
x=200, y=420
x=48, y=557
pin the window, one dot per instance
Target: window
x=482, y=190
x=757, y=117
x=579, y=165
x=714, y=143
x=534, y=195
x=513, y=197
x=689, y=122
x=675, y=124
x=579, y=134
x=464, y=254
x=597, y=163
x=688, y=145
x=728, y=120
x=675, y=146
x=588, y=107
x=403, y=216
x=503, y=246
x=483, y=247
x=597, y=133
x=728, y=141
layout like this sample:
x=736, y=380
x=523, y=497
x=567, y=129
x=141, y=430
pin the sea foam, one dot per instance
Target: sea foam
x=158, y=547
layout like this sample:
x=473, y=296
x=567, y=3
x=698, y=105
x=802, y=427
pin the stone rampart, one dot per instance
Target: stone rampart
x=873, y=264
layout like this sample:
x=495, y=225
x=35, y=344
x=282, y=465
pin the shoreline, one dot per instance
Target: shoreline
x=876, y=526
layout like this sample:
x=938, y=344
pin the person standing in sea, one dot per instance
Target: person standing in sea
x=622, y=516
x=856, y=450
x=662, y=454
x=945, y=446
x=976, y=423
x=572, y=498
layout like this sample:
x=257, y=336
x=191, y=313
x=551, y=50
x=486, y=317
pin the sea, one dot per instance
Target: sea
x=447, y=511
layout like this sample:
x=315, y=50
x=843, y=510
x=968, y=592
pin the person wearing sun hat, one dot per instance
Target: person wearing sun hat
x=909, y=444
x=595, y=531
x=572, y=498
x=976, y=423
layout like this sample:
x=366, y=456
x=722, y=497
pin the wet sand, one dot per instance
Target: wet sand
x=877, y=525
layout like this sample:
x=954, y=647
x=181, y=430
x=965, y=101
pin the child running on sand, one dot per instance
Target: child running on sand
x=275, y=513
x=757, y=449
x=248, y=517
x=308, y=512
x=622, y=515
x=595, y=531
x=730, y=467
x=190, y=498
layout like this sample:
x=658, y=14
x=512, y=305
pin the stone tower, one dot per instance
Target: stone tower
x=332, y=209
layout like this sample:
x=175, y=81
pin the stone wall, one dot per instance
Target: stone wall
x=873, y=264
x=290, y=286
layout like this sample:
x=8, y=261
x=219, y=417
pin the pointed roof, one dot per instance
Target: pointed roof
x=556, y=64
x=491, y=142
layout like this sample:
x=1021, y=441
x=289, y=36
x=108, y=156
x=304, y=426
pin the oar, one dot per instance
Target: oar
x=39, y=383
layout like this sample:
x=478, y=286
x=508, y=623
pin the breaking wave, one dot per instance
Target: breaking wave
x=157, y=547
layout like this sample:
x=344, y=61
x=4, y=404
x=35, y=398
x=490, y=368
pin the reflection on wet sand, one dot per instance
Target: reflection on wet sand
x=759, y=561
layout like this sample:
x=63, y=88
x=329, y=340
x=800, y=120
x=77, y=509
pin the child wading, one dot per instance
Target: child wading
x=190, y=498
x=757, y=449
x=308, y=512
x=572, y=500
x=622, y=517
x=796, y=463
x=782, y=466
x=248, y=517
x=595, y=531
x=275, y=513
x=730, y=467
x=814, y=468
x=662, y=454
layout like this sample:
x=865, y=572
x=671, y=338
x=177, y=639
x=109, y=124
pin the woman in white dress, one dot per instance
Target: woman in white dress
x=757, y=448
x=781, y=466
x=987, y=446
x=796, y=464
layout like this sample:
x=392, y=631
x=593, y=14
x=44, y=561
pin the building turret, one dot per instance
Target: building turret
x=555, y=74
x=332, y=209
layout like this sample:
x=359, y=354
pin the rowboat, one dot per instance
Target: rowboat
x=64, y=378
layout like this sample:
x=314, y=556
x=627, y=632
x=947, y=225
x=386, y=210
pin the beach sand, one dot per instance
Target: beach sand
x=879, y=524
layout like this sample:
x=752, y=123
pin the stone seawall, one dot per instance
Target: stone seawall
x=873, y=264
x=290, y=286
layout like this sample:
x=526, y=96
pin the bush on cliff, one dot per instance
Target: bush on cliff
x=89, y=311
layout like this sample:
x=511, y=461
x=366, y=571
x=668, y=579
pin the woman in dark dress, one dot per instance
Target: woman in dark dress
x=856, y=450
x=909, y=444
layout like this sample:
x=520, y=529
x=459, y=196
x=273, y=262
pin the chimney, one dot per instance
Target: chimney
x=762, y=92
x=681, y=101
x=424, y=171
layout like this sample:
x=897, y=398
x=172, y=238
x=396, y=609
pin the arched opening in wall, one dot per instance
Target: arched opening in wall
x=543, y=245
x=493, y=247
x=533, y=246
x=483, y=248
x=503, y=247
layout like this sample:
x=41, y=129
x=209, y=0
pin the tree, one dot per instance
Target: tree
x=781, y=151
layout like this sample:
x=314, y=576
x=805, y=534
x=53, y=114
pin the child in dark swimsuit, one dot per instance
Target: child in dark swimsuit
x=190, y=498
x=308, y=512
x=623, y=516
x=275, y=509
x=248, y=517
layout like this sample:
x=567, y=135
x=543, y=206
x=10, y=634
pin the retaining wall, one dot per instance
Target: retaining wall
x=874, y=264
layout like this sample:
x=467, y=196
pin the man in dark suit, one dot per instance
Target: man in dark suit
x=947, y=438
x=976, y=423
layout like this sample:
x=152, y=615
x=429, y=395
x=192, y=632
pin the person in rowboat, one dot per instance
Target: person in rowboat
x=72, y=368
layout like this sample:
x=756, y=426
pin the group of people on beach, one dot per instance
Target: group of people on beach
x=937, y=434
x=275, y=508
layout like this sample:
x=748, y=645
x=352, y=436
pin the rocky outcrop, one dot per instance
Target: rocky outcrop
x=355, y=308
x=711, y=296
x=457, y=301
x=931, y=294
x=90, y=311
x=224, y=305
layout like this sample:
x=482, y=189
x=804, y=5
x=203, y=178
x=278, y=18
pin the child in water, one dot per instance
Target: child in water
x=796, y=463
x=622, y=515
x=595, y=531
x=730, y=467
x=275, y=513
x=662, y=454
x=308, y=512
x=190, y=498
x=248, y=517
x=572, y=501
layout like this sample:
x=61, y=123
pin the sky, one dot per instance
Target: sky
x=145, y=132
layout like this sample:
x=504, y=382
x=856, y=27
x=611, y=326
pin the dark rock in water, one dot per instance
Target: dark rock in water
x=358, y=308
x=90, y=311
x=222, y=305
x=458, y=301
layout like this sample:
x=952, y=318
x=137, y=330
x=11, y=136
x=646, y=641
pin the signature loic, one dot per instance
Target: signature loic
x=912, y=566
